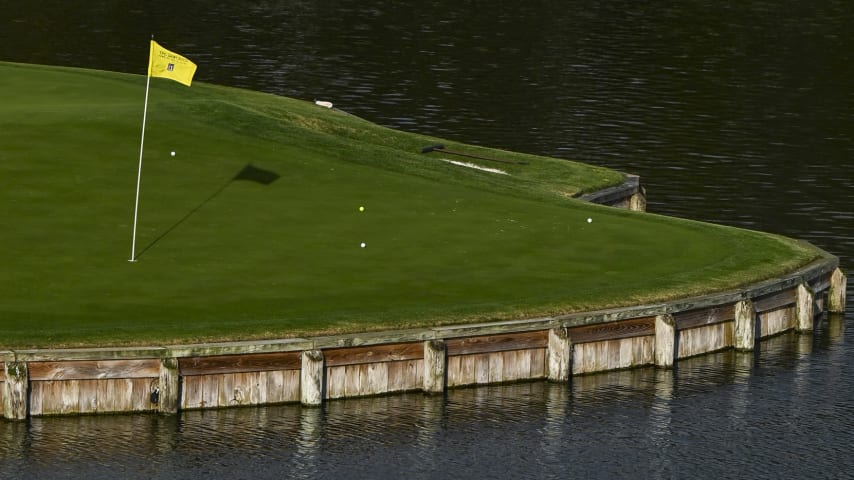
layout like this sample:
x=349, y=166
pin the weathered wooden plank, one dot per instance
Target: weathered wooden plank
x=453, y=371
x=36, y=396
x=374, y=353
x=89, y=369
x=404, y=375
x=497, y=343
x=352, y=380
x=377, y=376
x=106, y=396
x=496, y=367
x=700, y=340
x=290, y=386
x=643, y=353
x=775, y=300
x=191, y=397
x=396, y=376
x=705, y=316
x=467, y=372
x=336, y=378
x=481, y=368
x=273, y=386
x=140, y=394
x=776, y=321
x=210, y=391
x=70, y=397
x=87, y=400
x=522, y=365
x=257, y=362
x=226, y=393
x=258, y=394
x=609, y=331
x=122, y=392
x=538, y=363
x=510, y=364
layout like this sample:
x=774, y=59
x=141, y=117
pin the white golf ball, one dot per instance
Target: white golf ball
x=589, y=220
x=173, y=154
x=363, y=245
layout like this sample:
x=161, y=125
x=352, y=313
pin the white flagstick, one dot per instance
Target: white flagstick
x=139, y=173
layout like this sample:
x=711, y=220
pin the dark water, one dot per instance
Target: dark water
x=739, y=113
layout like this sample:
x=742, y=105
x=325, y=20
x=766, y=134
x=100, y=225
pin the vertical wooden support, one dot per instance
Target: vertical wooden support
x=836, y=295
x=435, y=366
x=637, y=202
x=560, y=355
x=311, y=378
x=665, y=340
x=168, y=393
x=17, y=385
x=745, y=325
x=804, y=310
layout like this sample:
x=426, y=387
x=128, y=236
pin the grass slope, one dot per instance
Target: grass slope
x=227, y=259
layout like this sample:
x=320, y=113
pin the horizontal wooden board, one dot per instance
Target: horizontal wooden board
x=497, y=343
x=374, y=353
x=704, y=316
x=256, y=362
x=612, y=331
x=616, y=354
x=496, y=367
x=821, y=283
x=69, y=397
x=776, y=300
x=705, y=339
x=94, y=369
x=776, y=321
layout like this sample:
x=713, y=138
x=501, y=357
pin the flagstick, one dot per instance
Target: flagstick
x=139, y=173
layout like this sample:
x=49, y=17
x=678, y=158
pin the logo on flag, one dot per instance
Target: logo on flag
x=167, y=64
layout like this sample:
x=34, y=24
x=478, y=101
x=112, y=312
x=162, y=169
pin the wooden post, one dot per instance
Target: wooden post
x=168, y=392
x=17, y=385
x=804, y=309
x=745, y=325
x=665, y=341
x=836, y=295
x=637, y=202
x=560, y=355
x=311, y=378
x=435, y=363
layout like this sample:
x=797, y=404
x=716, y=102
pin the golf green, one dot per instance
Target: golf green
x=253, y=228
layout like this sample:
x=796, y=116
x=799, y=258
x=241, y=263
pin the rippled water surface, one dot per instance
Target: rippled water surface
x=739, y=113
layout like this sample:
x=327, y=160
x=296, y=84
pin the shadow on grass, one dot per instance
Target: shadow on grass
x=249, y=172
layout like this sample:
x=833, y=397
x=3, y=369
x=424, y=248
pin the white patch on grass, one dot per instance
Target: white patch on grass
x=476, y=167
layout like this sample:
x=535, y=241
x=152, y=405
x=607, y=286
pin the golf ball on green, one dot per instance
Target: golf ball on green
x=363, y=245
x=589, y=220
x=173, y=154
x=361, y=209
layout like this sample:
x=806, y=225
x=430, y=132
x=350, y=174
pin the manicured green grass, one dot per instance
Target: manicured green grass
x=223, y=259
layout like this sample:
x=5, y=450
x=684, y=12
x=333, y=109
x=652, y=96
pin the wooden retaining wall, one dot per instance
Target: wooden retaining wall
x=313, y=370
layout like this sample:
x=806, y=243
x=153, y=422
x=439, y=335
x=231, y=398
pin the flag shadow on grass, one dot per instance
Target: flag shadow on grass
x=249, y=172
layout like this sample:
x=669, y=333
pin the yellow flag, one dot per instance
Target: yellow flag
x=165, y=64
